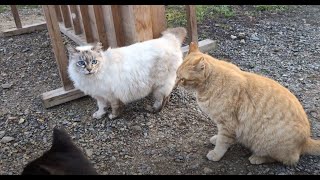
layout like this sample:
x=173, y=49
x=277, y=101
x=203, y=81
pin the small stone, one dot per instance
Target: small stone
x=6, y=86
x=242, y=41
x=89, y=152
x=233, y=37
x=12, y=118
x=21, y=121
x=77, y=120
x=242, y=35
x=113, y=158
x=136, y=128
x=42, y=127
x=195, y=166
x=254, y=37
x=2, y=133
x=217, y=25
x=7, y=139
x=207, y=170
x=26, y=49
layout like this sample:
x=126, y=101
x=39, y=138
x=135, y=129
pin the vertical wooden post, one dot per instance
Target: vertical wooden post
x=192, y=23
x=66, y=16
x=159, y=22
x=16, y=17
x=58, y=12
x=100, y=25
x=75, y=16
x=57, y=44
x=142, y=22
x=116, y=15
x=86, y=23
x=128, y=25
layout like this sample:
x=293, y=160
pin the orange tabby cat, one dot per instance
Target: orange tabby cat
x=248, y=108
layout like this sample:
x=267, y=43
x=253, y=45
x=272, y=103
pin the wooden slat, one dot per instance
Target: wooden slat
x=128, y=25
x=79, y=39
x=192, y=23
x=116, y=15
x=143, y=22
x=86, y=23
x=75, y=16
x=58, y=12
x=100, y=25
x=66, y=16
x=159, y=22
x=59, y=96
x=57, y=45
x=93, y=23
x=109, y=25
x=16, y=17
x=26, y=29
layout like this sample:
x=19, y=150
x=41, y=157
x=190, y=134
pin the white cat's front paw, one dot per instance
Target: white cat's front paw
x=212, y=156
x=213, y=139
x=98, y=115
x=112, y=116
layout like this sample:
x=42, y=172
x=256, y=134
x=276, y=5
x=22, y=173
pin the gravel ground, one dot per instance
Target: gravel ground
x=284, y=46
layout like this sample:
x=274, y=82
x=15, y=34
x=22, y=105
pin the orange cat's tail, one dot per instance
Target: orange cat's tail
x=179, y=32
x=311, y=147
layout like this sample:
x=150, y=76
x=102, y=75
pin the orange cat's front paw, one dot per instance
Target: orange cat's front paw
x=213, y=156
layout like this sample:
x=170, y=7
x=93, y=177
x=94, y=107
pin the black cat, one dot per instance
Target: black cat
x=64, y=158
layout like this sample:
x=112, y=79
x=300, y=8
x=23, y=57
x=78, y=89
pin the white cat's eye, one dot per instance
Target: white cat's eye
x=81, y=63
x=94, y=61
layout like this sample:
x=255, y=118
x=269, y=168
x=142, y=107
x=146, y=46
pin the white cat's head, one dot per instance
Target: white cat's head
x=86, y=59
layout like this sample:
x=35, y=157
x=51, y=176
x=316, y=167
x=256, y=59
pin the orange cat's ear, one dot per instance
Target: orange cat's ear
x=193, y=47
x=201, y=64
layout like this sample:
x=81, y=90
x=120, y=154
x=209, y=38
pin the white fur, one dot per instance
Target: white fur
x=132, y=72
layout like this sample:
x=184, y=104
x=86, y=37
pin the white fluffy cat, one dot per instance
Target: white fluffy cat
x=122, y=75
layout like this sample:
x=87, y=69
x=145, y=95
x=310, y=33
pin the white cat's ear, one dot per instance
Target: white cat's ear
x=97, y=47
x=71, y=50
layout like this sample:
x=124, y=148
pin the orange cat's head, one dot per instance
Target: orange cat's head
x=192, y=71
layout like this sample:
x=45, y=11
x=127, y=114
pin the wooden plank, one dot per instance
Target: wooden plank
x=192, y=23
x=86, y=23
x=75, y=16
x=109, y=26
x=204, y=46
x=57, y=45
x=93, y=23
x=159, y=22
x=117, y=21
x=59, y=96
x=58, y=12
x=66, y=16
x=26, y=29
x=143, y=22
x=79, y=39
x=16, y=16
x=99, y=20
x=128, y=24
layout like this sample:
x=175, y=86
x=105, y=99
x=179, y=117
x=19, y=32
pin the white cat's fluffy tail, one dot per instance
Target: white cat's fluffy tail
x=179, y=32
x=311, y=147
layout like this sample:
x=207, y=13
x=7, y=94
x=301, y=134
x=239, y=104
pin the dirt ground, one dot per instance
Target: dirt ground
x=281, y=45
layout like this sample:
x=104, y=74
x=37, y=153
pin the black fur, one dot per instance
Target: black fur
x=64, y=158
